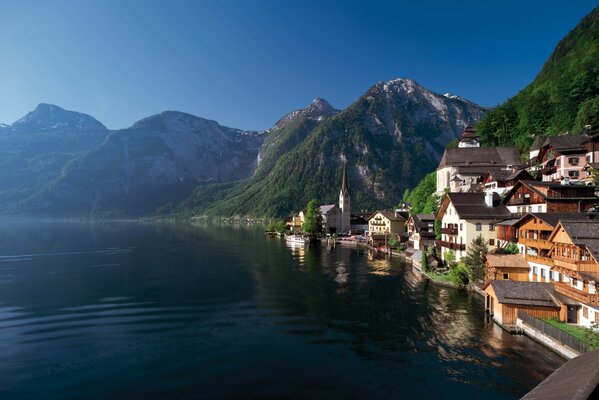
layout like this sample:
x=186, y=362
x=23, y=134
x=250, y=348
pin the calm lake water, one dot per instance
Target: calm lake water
x=121, y=310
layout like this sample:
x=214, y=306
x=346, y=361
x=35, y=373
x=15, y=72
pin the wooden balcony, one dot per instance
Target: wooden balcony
x=539, y=259
x=578, y=295
x=576, y=265
x=536, y=243
x=450, y=245
x=449, y=231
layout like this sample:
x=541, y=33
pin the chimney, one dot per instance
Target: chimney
x=489, y=199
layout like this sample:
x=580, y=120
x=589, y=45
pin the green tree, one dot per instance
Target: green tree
x=459, y=274
x=449, y=257
x=313, y=218
x=437, y=227
x=276, y=226
x=510, y=248
x=424, y=262
x=475, y=258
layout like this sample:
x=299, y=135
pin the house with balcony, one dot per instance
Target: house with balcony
x=533, y=231
x=421, y=230
x=549, y=197
x=464, y=216
x=575, y=255
x=462, y=169
x=502, y=180
x=591, y=167
x=562, y=158
x=382, y=224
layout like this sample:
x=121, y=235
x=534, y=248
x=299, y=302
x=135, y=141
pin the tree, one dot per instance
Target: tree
x=276, y=226
x=424, y=262
x=437, y=227
x=510, y=248
x=313, y=218
x=475, y=258
x=449, y=257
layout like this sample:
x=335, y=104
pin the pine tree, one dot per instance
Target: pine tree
x=475, y=258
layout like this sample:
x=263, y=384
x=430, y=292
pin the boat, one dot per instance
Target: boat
x=297, y=239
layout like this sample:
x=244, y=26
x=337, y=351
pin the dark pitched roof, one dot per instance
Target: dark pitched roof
x=472, y=205
x=553, y=218
x=525, y=293
x=483, y=156
x=584, y=233
x=537, y=143
x=423, y=220
x=566, y=142
x=577, y=379
x=535, y=185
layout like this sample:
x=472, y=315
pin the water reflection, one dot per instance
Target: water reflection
x=130, y=310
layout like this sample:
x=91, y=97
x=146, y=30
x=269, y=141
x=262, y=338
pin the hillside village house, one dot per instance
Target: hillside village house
x=575, y=255
x=592, y=159
x=562, y=158
x=502, y=181
x=421, y=230
x=549, y=197
x=462, y=169
x=464, y=216
x=384, y=223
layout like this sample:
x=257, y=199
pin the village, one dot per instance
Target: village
x=525, y=235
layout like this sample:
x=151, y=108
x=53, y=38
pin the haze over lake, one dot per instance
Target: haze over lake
x=132, y=310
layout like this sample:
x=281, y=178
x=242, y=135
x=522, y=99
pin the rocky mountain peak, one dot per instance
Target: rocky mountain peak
x=321, y=107
x=47, y=117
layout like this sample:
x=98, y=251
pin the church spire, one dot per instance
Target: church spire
x=344, y=189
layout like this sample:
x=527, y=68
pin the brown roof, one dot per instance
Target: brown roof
x=584, y=233
x=552, y=219
x=482, y=156
x=390, y=215
x=577, y=379
x=535, y=185
x=472, y=205
x=525, y=293
x=564, y=143
x=506, y=261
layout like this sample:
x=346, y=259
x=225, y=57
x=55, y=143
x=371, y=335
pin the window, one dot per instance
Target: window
x=539, y=208
x=461, y=227
x=573, y=174
x=573, y=160
x=588, y=159
x=491, y=227
x=596, y=317
x=585, y=312
x=506, y=276
x=534, y=270
x=558, y=162
x=491, y=242
x=479, y=226
x=574, y=282
x=543, y=272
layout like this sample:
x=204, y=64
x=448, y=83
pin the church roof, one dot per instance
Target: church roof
x=344, y=188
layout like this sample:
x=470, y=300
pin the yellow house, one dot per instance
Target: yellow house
x=386, y=222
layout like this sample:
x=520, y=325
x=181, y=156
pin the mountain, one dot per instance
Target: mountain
x=390, y=137
x=48, y=117
x=35, y=149
x=563, y=97
x=158, y=160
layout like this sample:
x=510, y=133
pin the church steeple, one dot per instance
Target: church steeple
x=344, y=204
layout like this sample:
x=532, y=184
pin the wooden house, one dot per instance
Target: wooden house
x=503, y=298
x=421, y=230
x=562, y=158
x=507, y=267
x=502, y=180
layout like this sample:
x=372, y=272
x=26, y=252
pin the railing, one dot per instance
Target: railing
x=524, y=200
x=578, y=295
x=539, y=243
x=552, y=332
x=548, y=170
x=539, y=259
x=449, y=231
x=450, y=245
x=575, y=265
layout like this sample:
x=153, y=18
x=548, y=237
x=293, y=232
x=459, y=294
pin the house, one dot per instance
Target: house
x=591, y=168
x=503, y=180
x=507, y=232
x=359, y=223
x=462, y=169
x=549, y=197
x=421, y=230
x=503, y=298
x=506, y=267
x=464, y=216
x=533, y=231
x=575, y=254
x=562, y=158
x=384, y=223
x=296, y=221
x=330, y=215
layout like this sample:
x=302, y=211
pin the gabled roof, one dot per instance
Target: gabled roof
x=471, y=205
x=577, y=379
x=524, y=293
x=585, y=233
x=552, y=219
x=326, y=208
x=506, y=261
x=480, y=156
x=390, y=215
x=422, y=220
x=536, y=145
x=569, y=142
x=536, y=185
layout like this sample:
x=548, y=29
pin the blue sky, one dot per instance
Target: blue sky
x=247, y=63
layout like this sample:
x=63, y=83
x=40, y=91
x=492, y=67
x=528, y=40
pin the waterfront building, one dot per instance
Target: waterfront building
x=549, y=197
x=464, y=216
x=384, y=223
x=337, y=217
x=503, y=299
x=462, y=169
x=575, y=255
x=506, y=267
x=421, y=230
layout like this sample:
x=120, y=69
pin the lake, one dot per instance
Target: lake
x=125, y=310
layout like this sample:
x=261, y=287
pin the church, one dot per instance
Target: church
x=337, y=218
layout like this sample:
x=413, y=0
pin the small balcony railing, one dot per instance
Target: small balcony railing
x=450, y=245
x=578, y=295
x=449, y=231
